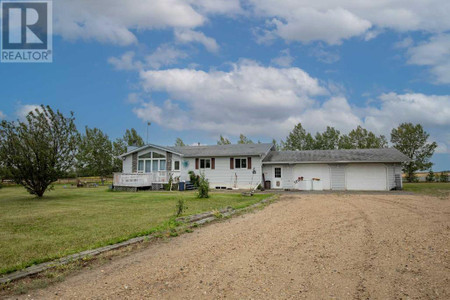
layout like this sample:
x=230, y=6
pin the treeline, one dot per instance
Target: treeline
x=47, y=146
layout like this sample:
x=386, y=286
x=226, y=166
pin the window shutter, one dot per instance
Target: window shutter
x=213, y=163
x=231, y=163
x=249, y=163
x=196, y=163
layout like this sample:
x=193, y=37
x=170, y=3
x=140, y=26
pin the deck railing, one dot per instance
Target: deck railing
x=140, y=179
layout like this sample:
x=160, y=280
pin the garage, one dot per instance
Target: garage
x=349, y=169
x=371, y=177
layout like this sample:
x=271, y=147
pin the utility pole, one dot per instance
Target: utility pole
x=148, y=125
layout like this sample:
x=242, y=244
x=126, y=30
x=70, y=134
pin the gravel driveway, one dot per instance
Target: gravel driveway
x=303, y=246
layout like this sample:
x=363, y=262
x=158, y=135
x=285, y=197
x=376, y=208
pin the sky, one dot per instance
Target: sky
x=196, y=69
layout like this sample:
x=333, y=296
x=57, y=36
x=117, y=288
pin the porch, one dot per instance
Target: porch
x=140, y=180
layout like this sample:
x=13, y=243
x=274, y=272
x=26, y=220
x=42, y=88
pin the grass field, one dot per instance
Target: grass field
x=71, y=220
x=438, y=189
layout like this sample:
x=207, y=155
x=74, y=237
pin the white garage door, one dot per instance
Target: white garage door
x=369, y=177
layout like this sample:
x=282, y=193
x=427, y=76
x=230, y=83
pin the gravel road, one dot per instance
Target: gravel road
x=341, y=246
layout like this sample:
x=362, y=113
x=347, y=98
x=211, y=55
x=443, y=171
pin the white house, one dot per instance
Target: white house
x=245, y=166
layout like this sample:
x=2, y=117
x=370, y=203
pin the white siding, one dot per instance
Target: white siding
x=127, y=164
x=369, y=177
x=309, y=171
x=223, y=176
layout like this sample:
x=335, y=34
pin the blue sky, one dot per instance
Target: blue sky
x=199, y=68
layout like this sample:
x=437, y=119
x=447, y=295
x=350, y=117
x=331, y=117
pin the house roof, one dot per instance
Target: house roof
x=385, y=155
x=212, y=150
x=223, y=150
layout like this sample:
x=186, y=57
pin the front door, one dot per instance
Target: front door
x=277, y=173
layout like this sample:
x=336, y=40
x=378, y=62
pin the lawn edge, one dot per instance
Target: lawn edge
x=189, y=222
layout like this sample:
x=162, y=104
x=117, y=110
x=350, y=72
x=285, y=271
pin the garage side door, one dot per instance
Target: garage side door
x=366, y=177
x=337, y=177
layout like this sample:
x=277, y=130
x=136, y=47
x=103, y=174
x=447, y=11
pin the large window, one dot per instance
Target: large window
x=176, y=165
x=205, y=163
x=140, y=166
x=151, y=162
x=240, y=163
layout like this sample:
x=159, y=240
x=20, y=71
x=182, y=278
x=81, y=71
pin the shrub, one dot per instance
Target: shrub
x=181, y=206
x=194, y=179
x=430, y=177
x=203, y=187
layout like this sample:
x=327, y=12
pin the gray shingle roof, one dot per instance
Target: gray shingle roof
x=223, y=150
x=387, y=155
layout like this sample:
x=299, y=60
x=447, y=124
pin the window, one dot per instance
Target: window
x=205, y=163
x=162, y=165
x=176, y=165
x=140, y=166
x=157, y=155
x=147, y=166
x=240, y=163
x=154, y=166
x=146, y=155
x=277, y=172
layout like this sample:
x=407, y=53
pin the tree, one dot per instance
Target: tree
x=244, y=140
x=40, y=149
x=132, y=138
x=412, y=140
x=298, y=139
x=95, y=154
x=361, y=138
x=179, y=143
x=430, y=177
x=328, y=140
x=443, y=177
x=119, y=147
x=277, y=146
x=223, y=141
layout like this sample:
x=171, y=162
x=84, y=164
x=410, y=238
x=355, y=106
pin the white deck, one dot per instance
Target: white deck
x=140, y=179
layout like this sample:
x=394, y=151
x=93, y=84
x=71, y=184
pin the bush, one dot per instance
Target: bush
x=444, y=177
x=194, y=179
x=203, y=187
x=181, y=207
x=430, y=177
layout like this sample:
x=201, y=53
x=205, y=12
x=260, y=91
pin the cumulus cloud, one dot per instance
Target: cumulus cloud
x=113, y=21
x=435, y=54
x=188, y=36
x=126, y=62
x=335, y=21
x=259, y=100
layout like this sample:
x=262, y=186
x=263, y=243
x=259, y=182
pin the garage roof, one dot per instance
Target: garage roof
x=385, y=155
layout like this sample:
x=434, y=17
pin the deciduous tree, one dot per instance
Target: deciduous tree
x=179, y=143
x=223, y=141
x=132, y=138
x=244, y=140
x=298, y=139
x=412, y=140
x=40, y=149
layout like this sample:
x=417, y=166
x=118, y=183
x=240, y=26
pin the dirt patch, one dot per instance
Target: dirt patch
x=303, y=246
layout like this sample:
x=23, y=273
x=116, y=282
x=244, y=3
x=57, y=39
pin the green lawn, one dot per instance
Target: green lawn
x=439, y=189
x=71, y=220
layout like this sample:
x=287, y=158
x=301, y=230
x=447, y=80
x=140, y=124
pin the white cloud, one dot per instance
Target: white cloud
x=126, y=62
x=333, y=21
x=226, y=7
x=435, y=54
x=325, y=56
x=188, y=36
x=284, y=60
x=113, y=21
x=258, y=100
x=164, y=55
x=24, y=109
x=2, y=115
x=229, y=102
